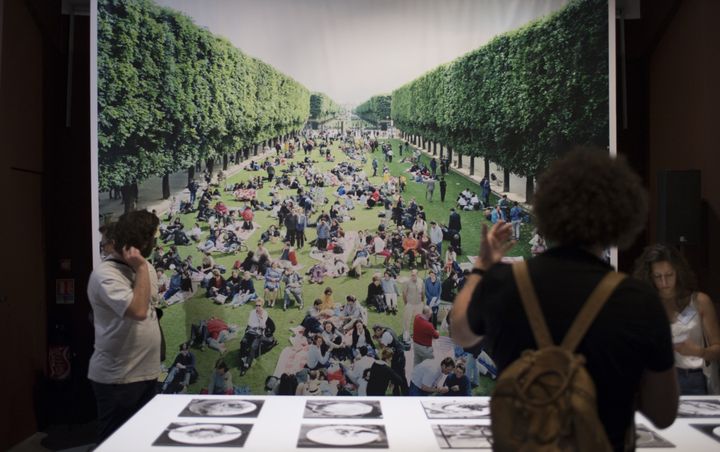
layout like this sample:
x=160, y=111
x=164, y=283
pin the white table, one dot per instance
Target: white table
x=277, y=426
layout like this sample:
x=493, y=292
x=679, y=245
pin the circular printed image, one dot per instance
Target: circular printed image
x=222, y=407
x=344, y=409
x=466, y=409
x=343, y=435
x=205, y=434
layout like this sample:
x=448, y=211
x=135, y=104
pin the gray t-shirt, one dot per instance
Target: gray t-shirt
x=126, y=350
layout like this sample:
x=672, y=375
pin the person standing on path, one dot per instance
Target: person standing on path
x=433, y=167
x=300, y=229
x=454, y=225
x=485, y=185
x=436, y=236
x=443, y=188
x=375, y=166
x=429, y=189
x=433, y=289
x=516, y=219
x=423, y=334
x=413, y=297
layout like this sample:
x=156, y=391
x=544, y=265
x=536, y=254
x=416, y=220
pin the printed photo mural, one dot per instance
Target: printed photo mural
x=322, y=170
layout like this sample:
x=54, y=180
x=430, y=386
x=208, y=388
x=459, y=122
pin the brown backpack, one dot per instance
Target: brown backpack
x=545, y=400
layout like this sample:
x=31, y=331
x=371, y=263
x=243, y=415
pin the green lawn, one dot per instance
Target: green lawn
x=178, y=318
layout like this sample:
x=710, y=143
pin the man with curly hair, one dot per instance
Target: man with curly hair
x=123, y=293
x=586, y=202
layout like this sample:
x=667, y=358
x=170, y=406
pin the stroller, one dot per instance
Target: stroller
x=254, y=343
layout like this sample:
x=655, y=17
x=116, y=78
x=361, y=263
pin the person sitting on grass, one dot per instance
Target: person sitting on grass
x=218, y=333
x=318, y=353
x=293, y=287
x=216, y=286
x=245, y=292
x=272, y=283
x=258, y=336
x=221, y=380
x=375, y=295
x=182, y=369
x=317, y=273
x=457, y=382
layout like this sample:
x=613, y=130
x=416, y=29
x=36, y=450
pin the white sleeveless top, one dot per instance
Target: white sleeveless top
x=688, y=325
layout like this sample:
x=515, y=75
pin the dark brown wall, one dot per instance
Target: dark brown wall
x=23, y=313
x=684, y=119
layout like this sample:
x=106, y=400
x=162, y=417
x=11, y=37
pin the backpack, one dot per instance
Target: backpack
x=545, y=400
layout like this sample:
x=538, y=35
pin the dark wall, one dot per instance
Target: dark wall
x=45, y=180
x=673, y=103
x=684, y=121
x=22, y=285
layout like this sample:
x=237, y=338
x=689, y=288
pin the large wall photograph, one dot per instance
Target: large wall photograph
x=304, y=156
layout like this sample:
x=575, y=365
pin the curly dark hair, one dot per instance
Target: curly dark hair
x=588, y=198
x=685, y=282
x=136, y=229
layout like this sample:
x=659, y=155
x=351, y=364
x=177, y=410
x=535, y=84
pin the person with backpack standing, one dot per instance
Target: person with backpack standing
x=625, y=343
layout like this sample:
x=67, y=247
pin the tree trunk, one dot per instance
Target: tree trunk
x=129, y=195
x=191, y=174
x=529, y=189
x=255, y=150
x=487, y=167
x=225, y=162
x=435, y=148
x=166, y=186
x=210, y=165
x=506, y=180
x=441, y=151
x=472, y=165
x=238, y=156
x=459, y=164
x=449, y=157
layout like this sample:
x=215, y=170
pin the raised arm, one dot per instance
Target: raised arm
x=140, y=304
x=494, y=244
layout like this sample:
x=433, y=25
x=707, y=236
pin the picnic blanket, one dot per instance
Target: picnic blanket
x=348, y=245
x=244, y=194
x=244, y=234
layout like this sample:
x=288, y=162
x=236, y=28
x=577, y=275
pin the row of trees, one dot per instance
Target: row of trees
x=171, y=94
x=322, y=107
x=375, y=109
x=522, y=99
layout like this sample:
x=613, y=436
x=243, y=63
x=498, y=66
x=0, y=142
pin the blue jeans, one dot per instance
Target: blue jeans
x=691, y=381
x=516, y=229
x=415, y=391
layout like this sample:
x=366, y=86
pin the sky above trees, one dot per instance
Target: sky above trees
x=355, y=49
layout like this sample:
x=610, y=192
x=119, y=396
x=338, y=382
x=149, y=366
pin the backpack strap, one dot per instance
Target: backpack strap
x=590, y=310
x=531, y=305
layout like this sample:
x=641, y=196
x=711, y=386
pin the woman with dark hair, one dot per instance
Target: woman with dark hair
x=693, y=321
x=361, y=337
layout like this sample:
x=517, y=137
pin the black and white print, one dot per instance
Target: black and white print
x=347, y=436
x=711, y=430
x=196, y=434
x=644, y=437
x=334, y=409
x=457, y=409
x=222, y=408
x=463, y=436
x=699, y=408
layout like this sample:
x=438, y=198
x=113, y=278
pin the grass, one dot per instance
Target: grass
x=178, y=318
